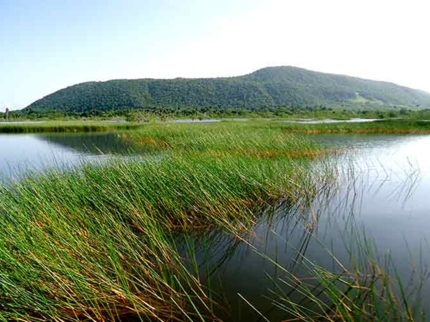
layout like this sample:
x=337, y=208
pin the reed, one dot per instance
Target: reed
x=94, y=242
x=393, y=126
x=66, y=126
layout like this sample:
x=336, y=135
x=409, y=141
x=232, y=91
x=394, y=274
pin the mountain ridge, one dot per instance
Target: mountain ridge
x=269, y=87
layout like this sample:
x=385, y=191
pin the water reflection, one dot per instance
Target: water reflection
x=94, y=144
x=329, y=121
x=378, y=207
x=21, y=153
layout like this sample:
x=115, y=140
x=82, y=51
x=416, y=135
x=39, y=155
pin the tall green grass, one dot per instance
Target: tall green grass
x=262, y=140
x=68, y=126
x=95, y=242
x=394, y=126
x=389, y=126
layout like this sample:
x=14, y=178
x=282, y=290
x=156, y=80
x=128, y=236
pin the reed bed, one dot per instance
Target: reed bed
x=398, y=126
x=367, y=287
x=67, y=126
x=259, y=139
x=96, y=242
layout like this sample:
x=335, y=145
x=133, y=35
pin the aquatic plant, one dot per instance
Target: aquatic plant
x=69, y=126
x=393, y=126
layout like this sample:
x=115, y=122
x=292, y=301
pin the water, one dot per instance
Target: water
x=328, y=121
x=21, y=153
x=196, y=121
x=392, y=182
x=384, y=195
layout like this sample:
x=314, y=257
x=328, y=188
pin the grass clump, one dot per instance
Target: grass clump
x=261, y=140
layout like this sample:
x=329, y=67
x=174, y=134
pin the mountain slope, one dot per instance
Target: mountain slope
x=269, y=87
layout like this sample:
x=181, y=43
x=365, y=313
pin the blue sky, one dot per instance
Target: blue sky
x=46, y=45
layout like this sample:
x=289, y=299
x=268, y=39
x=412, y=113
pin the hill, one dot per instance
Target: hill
x=269, y=87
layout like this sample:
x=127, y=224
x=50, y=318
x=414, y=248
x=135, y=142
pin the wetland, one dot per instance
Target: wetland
x=233, y=221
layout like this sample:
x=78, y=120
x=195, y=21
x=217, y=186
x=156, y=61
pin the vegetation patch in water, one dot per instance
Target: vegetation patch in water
x=55, y=126
x=94, y=242
x=401, y=126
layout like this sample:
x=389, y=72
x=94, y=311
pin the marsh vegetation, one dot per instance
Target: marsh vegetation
x=217, y=221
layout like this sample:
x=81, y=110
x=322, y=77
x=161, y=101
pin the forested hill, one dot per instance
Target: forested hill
x=266, y=88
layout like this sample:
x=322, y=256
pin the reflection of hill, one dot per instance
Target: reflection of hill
x=96, y=143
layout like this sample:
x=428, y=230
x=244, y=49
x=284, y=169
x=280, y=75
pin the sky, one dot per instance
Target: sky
x=47, y=45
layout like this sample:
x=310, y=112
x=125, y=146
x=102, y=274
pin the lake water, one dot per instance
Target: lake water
x=21, y=153
x=384, y=190
x=195, y=121
x=328, y=121
x=383, y=195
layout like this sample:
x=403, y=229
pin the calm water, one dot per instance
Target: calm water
x=20, y=153
x=325, y=121
x=384, y=192
x=196, y=121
